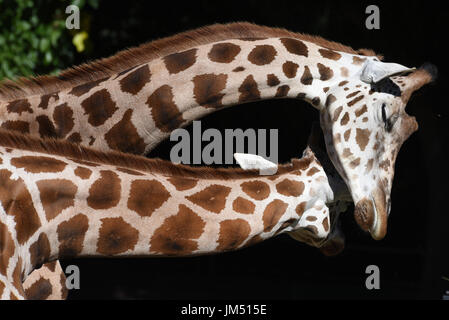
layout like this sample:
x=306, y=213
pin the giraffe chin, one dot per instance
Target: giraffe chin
x=369, y=218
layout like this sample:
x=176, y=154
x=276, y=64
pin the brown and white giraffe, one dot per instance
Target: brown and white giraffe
x=133, y=100
x=53, y=204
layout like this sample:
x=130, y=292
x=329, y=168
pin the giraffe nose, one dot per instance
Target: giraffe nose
x=371, y=216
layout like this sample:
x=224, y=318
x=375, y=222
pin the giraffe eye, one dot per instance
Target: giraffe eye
x=387, y=122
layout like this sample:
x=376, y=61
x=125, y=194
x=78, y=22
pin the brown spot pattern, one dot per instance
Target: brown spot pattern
x=344, y=72
x=34, y=164
x=272, y=80
x=344, y=121
x=355, y=163
x=19, y=106
x=262, y=55
x=295, y=46
x=207, y=89
x=213, y=198
x=123, y=136
x=242, y=205
x=326, y=224
x=146, y=196
x=136, y=80
x=99, y=107
x=258, y=190
x=290, y=69
x=177, y=235
x=224, y=52
x=232, y=234
x=19, y=126
x=347, y=134
x=325, y=72
x=56, y=195
x=330, y=99
x=312, y=171
x=46, y=127
x=329, y=54
x=357, y=60
x=290, y=188
x=39, y=290
x=116, y=236
x=361, y=111
x=337, y=113
x=17, y=202
x=182, y=184
x=45, y=99
x=273, y=213
x=307, y=78
x=347, y=153
x=353, y=94
x=355, y=100
x=83, y=173
x=282, y=91
x=63, y=117
x=300, y=208
x=165, y=112
x=6, y=247
x=369, y=166
x=105, y=198
x=181, y=61
x=71, y=235
x=40, y=251
x=249, y=90
x=362, y=138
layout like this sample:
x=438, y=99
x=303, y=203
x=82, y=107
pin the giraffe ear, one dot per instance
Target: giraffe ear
x=375, y=71
x=251, y=161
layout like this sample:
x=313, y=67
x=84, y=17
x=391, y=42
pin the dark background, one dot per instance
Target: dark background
x=413, y=258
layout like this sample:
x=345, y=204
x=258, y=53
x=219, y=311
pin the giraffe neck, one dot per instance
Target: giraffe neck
x=55, y=206
x=134, y=110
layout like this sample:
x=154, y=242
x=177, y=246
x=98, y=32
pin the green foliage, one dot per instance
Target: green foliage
x=34, y=38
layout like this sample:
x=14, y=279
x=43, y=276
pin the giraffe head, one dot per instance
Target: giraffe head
x=365, y=125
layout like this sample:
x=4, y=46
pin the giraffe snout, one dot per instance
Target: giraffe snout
x=371, y=215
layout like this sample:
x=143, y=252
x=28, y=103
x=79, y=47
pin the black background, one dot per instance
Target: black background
x=413, y=257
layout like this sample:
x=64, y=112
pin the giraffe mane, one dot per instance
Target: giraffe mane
x=129, y=58
x=86, y=155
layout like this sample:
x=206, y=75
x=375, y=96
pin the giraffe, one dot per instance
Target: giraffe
x=54, y=205
x=133, y=100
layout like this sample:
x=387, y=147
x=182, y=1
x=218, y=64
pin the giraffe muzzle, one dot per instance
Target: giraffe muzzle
x=371, y=217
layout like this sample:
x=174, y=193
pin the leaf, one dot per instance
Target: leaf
x=78, y=41
x=44, y=45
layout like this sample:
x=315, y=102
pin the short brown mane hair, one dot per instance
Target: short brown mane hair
x=64, y=148
x=144, y=53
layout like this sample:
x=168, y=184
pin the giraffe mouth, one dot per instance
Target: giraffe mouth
x=368, y=216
